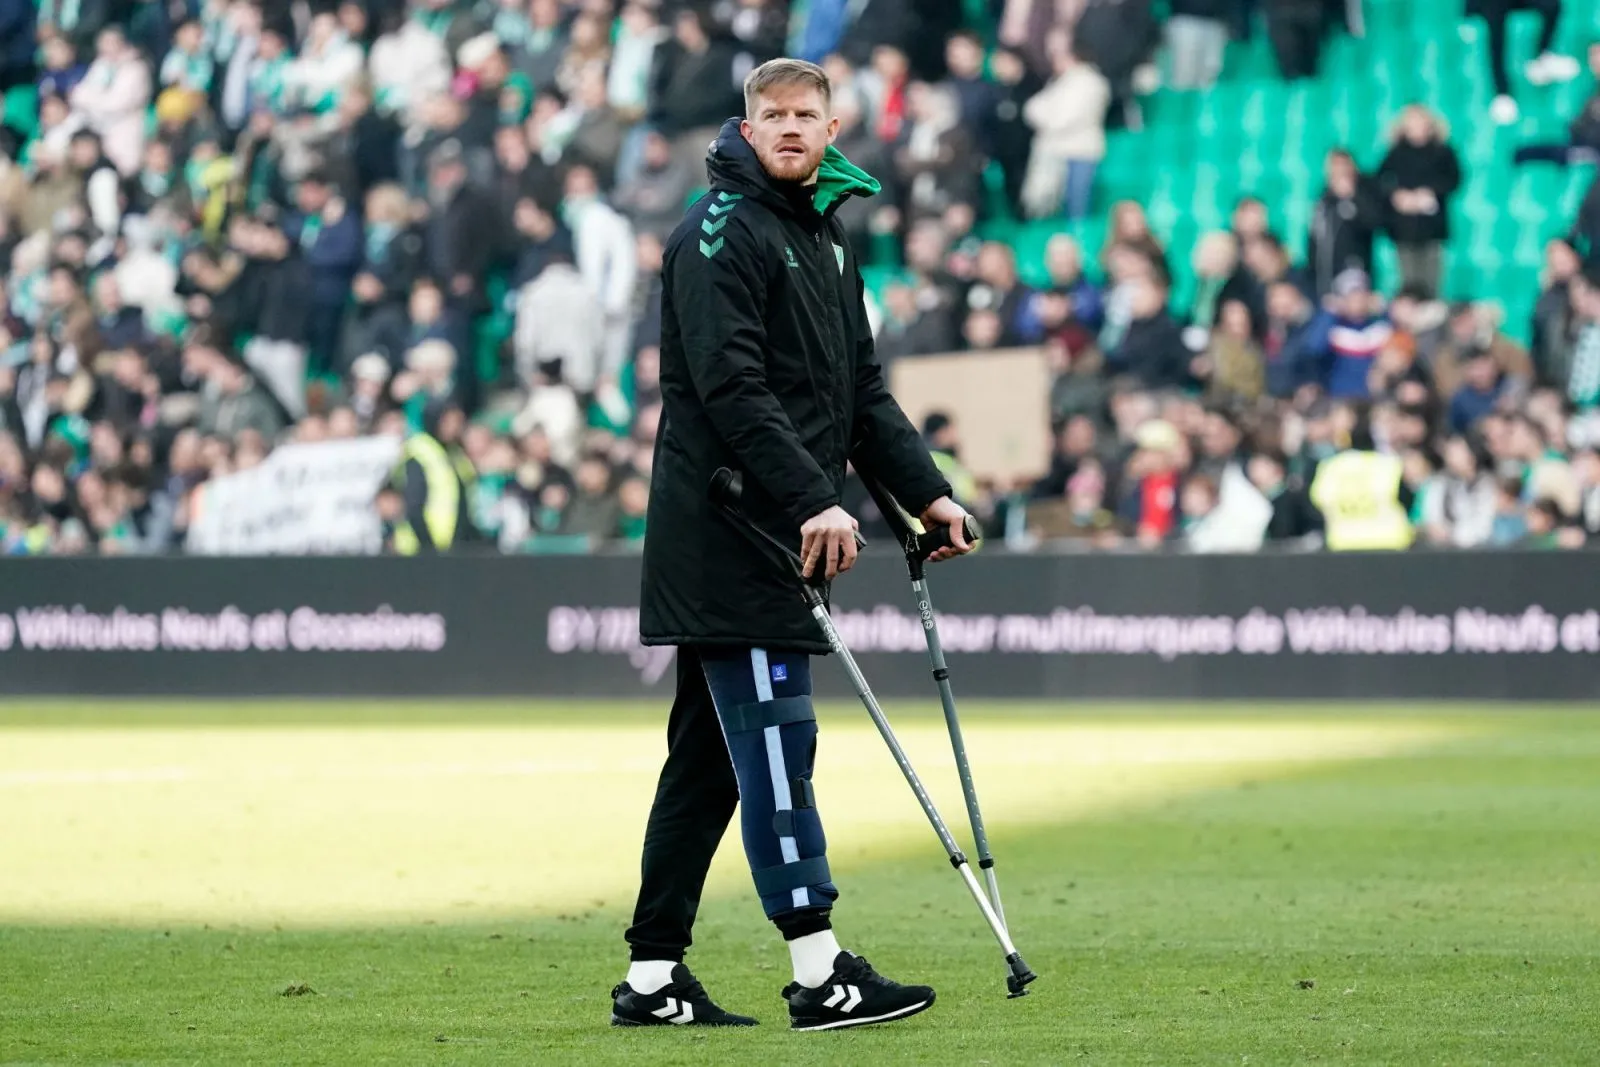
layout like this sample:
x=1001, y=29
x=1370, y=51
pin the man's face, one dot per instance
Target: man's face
x=83, y=152
x=1525, y=440
x=425, y=304
x=1283, y=303
x=447, y=177
x=983, y=329
x=511, y=147
x=312, y=197
x=657, y=151
x=1148, y=299
x=107, y=295
x=1063, y=260
x=995, y=265
x=1354, y=305
x=581, y=184
x=1250, y=219
x=790, y=129
x=1079, y=437
x=963, y=57
x=1481, y=373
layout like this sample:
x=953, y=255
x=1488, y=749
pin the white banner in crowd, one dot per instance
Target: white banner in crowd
x=308, y=499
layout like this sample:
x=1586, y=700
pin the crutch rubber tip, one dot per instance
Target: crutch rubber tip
x=1017, y=981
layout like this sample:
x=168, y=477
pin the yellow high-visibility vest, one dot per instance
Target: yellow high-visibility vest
x=444, y=495
x=1358, y=494
x=962, y=483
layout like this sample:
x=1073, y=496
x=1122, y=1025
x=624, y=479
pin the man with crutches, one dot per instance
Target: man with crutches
x=767, y=368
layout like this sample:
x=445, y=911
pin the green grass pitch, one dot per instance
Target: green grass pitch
x=351, y=884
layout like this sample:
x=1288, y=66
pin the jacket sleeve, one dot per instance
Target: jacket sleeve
x=884, y=444
x=1448, y=179
x=721, y=311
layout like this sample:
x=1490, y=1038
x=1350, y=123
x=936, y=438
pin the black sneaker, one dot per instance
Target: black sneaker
x=682, y=1002
x=856, y=995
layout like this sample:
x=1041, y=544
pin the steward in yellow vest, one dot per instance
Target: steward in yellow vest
x=434, y=486
x=1359, y=493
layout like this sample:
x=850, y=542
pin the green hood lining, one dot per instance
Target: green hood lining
x=838, y=178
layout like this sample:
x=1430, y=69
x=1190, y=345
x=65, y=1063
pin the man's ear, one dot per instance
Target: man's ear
x=833, y=128
x=745, y=130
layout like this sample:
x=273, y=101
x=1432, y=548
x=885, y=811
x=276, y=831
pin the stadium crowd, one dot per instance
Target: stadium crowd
x=232, y=224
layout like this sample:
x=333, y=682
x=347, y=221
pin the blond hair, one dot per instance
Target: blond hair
x=776, y=72
x=1441, y=127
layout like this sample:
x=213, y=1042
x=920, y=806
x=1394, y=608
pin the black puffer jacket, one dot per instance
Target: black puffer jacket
x=1426, y=166
x=1342, y=233
x=767, y=367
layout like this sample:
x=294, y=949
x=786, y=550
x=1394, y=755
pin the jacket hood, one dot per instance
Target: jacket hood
x=732, y=165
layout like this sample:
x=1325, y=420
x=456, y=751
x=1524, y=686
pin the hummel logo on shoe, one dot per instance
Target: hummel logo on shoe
x=675, y=1011
x=845, y=997
x=683, y=1002
x=855, y=995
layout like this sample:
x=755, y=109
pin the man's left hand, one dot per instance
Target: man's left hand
x=946, y=512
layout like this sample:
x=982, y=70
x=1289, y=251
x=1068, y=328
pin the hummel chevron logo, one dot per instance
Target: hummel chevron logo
x=717, y=209
x=712, y=227
x=726, y=197
x=847, y=993
x=670, y=1012
x=709, y=250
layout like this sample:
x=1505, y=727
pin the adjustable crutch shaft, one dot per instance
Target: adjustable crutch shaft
x=725, y=491
x=958, y=745
x=1020, y=975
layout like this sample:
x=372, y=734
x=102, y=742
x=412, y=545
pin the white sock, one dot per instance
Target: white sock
x=813, y=957
x=649, y=976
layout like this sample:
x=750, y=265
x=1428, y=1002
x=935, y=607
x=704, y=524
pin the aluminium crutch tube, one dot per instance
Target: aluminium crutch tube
x=917, y=548
x=726, y=489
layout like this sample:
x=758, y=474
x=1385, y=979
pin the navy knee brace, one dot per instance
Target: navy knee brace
x=764, y=704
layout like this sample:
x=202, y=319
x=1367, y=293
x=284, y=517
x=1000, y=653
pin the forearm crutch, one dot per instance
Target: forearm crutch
x=725, y=493
x=918, y=547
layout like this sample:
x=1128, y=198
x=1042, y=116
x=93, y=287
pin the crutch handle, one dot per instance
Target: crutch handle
x=727, y=491
x=926, y=544
x=916, y=546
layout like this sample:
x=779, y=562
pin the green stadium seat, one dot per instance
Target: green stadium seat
x=1252, y=133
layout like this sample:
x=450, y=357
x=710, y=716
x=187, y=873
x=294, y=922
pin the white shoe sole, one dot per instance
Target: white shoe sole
x=845, y=1024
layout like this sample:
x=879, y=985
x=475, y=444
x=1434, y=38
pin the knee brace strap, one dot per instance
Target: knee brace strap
x=801, y=795
x=747, y=717
x=785, y=877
